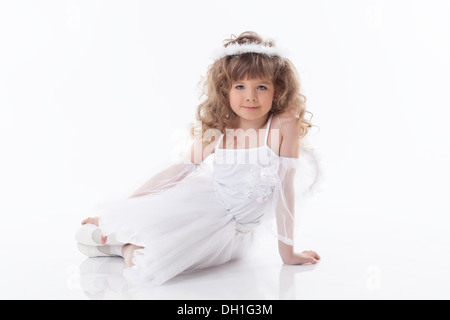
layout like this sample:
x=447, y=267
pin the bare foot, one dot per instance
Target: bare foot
x=91, y=220
x=128, y=253
x=95, y=222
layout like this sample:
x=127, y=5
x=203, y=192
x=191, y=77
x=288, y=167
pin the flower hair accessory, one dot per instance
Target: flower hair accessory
x=235, y=49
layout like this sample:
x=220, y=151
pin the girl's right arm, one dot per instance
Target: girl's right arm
x=165, y=179
x=169, y=177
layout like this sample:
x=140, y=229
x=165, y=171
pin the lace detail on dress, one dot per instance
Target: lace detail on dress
x=260, y=182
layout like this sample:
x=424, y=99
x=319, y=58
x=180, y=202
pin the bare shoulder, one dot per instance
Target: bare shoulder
x=200, y=150
x=290, y=131
x=289, y=121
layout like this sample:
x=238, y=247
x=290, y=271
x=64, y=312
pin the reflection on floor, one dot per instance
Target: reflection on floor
x=102, y=278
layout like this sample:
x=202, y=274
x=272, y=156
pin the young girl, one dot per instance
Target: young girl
x=238, y=174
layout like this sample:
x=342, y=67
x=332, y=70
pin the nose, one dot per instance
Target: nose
x=251, y=97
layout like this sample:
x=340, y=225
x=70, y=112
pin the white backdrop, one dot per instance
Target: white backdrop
x=92, y=92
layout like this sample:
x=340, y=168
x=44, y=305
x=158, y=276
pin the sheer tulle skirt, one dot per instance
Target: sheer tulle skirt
x=181, y=229
x=183, y=224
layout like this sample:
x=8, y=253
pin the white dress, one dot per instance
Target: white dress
x=208, y=217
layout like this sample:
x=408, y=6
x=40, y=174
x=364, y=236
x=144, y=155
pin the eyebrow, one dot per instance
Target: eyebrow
x=262, y=82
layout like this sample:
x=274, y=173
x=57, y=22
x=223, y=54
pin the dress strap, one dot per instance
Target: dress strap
x=267, y=129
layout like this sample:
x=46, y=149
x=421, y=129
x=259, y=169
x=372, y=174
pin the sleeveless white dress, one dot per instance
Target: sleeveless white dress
x=208, y=217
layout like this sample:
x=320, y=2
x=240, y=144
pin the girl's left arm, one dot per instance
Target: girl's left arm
x=285, y=222
x=290, y=148
x=288, y=256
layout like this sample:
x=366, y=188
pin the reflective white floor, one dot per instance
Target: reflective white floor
x=370, y=262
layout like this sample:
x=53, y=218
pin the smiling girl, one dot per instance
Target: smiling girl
x=240, y=173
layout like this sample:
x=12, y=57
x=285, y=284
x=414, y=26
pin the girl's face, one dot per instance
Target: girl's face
x=251, y=99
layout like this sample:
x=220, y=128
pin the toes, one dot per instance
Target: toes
x=90, y=220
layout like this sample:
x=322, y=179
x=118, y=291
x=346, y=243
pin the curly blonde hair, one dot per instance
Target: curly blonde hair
x=216, y=113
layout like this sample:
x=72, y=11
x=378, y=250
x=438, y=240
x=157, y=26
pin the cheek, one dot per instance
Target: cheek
x=234, y=98
x=267, y=99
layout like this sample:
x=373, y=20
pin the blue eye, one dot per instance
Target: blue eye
x=241, y=87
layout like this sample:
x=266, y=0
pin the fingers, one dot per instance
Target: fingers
x=311, y=256
x=315, y=255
